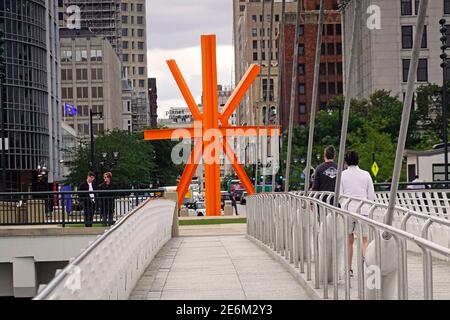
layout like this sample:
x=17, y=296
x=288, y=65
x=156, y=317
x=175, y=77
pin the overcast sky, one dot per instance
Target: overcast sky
x=174, y=29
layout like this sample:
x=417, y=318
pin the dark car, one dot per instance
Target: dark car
x=244, y=198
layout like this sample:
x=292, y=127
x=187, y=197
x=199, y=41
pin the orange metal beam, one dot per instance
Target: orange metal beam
x=238, y=168
x=189, y=171
x=184, y=90
x=239, y=92
x=210, y=121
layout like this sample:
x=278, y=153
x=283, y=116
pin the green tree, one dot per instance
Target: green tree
x=140, y=163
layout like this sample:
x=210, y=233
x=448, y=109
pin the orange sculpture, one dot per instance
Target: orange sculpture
x=210, y=123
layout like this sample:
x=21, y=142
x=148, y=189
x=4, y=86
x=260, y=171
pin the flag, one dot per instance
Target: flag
x=70, y=110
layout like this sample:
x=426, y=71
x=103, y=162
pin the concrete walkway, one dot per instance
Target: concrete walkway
x=215, y=268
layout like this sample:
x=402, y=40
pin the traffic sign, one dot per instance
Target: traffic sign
x=375, y=168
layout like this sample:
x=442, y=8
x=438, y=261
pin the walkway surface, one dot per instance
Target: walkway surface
x=215, y=268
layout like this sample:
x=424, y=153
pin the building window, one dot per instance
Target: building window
x=254, y=32
x=331, y=88
x=338, y=29
x=301, y=69
x=140, y=58
x=322, y=49
x=322, y=69
x=141, y=83
x=302, y=89
x=301, y=30
x=254, y=18
x=82, y=74
x=125, y=44
x=277, y=18
x=330, y=49
x=331, y=70
x=67, y=93
x=446, y=6
x=66, y=56
x=330, y=29
x=81, y=55
x=97, y=74
x=301, y=49
x=323, y=88
x=405, y=68
x=255, y=44
x=302, y=108
x=125, y=32
x=125, y=57
x=96, y=55
x=339, y=68
x=339, y=49
x=140, y=7
x=124, y=7
x=407, y=37
x=422, y=70
x=424, y=44
x=141, y=45
x=82, y=93
x=255, y=56
x=97, y=92
x=140, y=20
x=406, y=7
x=141, y=71
x=125, y=19
x=66, y=74
x=261, y=32
x=340, y=87
x=140, y=32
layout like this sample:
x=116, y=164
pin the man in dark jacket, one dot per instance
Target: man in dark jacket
x=88, y=200
x=325, y=174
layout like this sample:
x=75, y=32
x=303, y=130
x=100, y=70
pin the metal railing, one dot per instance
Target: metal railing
x=110, y=267
x=312, y=235
x=70, y=207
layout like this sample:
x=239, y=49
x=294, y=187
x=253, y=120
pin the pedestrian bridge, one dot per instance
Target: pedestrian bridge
x=294, y=248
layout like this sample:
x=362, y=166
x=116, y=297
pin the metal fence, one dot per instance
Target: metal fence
x=312, y=236
x=70, y=207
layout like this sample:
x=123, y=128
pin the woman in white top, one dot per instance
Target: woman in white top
x=356, y=183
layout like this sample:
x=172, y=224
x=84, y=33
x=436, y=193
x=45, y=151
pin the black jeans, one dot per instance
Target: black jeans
x=89, y=209
x=108, y=218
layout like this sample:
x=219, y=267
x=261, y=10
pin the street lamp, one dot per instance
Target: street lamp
x=443, y=56
x=91, y=133
x=109, y=164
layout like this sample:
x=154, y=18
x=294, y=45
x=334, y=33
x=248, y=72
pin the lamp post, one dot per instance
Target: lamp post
x=443, y=56
x=109, y=164
x=91, y=133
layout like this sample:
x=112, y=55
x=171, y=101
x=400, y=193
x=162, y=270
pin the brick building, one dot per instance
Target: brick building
x=331, y=68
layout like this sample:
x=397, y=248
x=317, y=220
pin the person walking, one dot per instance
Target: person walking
x=88, y=201
x=325, y=174
x=106, y=200
x=356, y=183
x=233, y=202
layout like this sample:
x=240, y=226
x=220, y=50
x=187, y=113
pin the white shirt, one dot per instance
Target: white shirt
x=91, y=189
x=417, y=186
x=357, y=183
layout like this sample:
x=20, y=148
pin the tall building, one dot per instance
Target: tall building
x=101, y=17
x=251, y=42
x=134, y=59
x=31, y=92
x=123, y=23
x=384, y=54
x=91, y=79
x=331, y=67
x=153, y=98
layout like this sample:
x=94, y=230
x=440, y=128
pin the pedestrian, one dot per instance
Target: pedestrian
x=356, y=183
x=42, y=185
x=417, y=185
x=88, y=200
x=106, y=200
x=233, y=202
x=325, y=174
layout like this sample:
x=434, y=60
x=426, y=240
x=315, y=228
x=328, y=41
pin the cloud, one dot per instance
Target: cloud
x=178, y=23
x=189, y=62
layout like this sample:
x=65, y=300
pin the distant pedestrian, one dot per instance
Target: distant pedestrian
x=325, y=174
x=106, y=201
x=233, y=202
x=417, y=185
x=88, y=200
x=356, y=183
x=42, y=185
